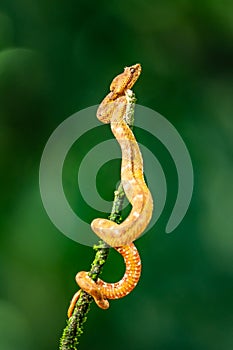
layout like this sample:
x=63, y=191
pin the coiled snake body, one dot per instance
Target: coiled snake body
x=102, y=291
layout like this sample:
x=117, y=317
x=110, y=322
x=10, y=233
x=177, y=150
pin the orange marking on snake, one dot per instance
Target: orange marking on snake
x=102, y=291
x=112, y=110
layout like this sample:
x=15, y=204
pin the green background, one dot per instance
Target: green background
x=58, y=57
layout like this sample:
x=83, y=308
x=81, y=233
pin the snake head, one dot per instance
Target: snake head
x=126, y=80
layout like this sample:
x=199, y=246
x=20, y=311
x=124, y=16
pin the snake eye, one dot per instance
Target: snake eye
x=132, y=70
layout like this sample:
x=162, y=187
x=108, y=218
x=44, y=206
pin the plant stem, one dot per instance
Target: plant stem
x=74, y=327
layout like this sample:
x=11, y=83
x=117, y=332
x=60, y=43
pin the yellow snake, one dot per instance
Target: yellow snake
x=120, y=236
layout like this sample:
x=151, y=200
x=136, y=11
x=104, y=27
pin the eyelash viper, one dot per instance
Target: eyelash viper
x=120, y=236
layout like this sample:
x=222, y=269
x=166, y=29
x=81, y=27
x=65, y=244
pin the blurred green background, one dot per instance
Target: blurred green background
x=58, y=57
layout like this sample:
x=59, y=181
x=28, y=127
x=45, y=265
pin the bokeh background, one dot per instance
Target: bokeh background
x=57, y=57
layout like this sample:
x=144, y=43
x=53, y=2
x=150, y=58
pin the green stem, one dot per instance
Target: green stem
x=74, y=327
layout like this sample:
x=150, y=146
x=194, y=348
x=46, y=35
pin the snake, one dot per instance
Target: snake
x=121, y=236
